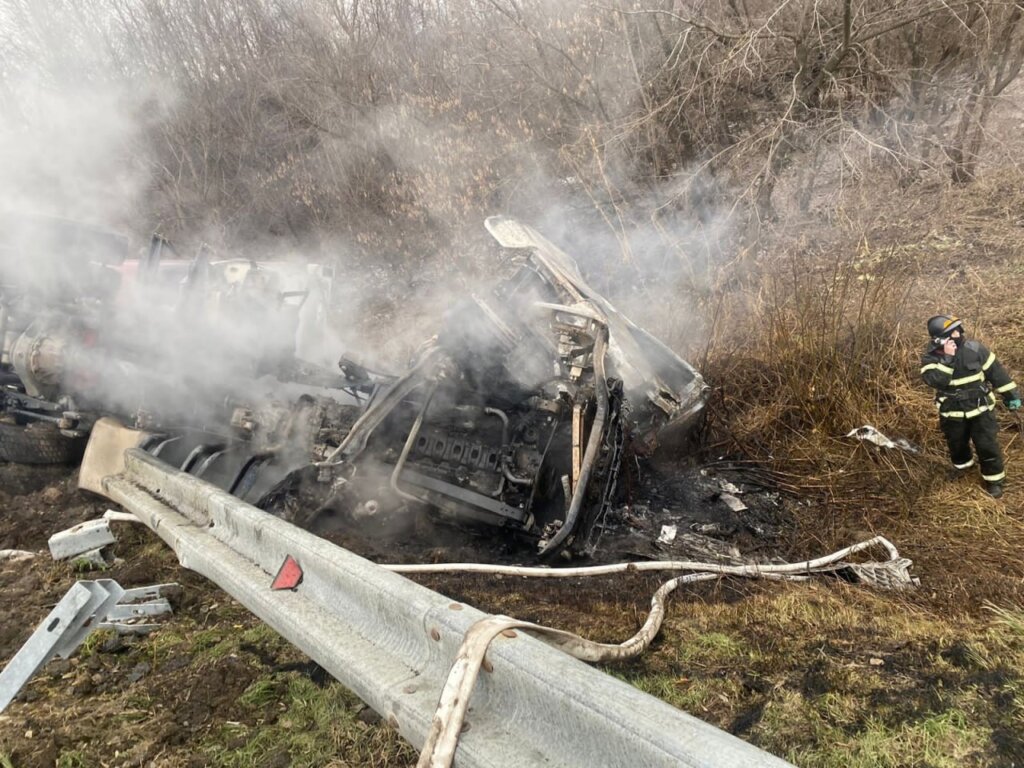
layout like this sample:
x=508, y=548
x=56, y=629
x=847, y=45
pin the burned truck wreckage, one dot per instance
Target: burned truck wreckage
x=518, y=415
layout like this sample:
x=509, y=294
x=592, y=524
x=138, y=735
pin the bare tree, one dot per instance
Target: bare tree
x=364, y=117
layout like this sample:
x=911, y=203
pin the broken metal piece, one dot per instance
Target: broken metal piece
x=665, y=392
x=60, y=633
x=708, y=549
x=728, y=487
x=153, y=592
x=104, y=454
x=121, y=612
x=667, y=535
x=707, y=529
x=891, y=574
x=82, y=540
x=113, y=515
x=85, y=607
x=733, y=503
x=126, y=618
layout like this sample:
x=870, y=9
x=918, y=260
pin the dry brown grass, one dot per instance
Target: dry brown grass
x=825, y=335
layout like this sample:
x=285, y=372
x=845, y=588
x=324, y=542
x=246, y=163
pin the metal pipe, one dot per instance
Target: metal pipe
x=577, y=446
x=409, y=441
x=378, y=411
x=504, y=423
x=505, y=471
x=512, y=478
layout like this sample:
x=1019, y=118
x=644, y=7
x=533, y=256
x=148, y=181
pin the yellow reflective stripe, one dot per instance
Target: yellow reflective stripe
x=968, y=465
x=967, y=380
x=993, y=478
x=968, y=414
x=937, y=367
x=978, y=411
x=988, y=363
x=1006, y=387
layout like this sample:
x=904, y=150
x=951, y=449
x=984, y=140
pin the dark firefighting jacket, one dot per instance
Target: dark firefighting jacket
x=967, y=383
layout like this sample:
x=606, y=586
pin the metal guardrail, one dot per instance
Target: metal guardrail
x=392, y=641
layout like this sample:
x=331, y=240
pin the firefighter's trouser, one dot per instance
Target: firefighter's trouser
x=983, y=431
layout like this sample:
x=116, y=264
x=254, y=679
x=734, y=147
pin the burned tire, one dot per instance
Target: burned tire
x=39, y=443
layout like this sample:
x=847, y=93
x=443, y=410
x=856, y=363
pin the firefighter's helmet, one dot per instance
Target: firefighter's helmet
x=940, y=326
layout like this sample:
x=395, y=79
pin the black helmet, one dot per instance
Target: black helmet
x=940, y=326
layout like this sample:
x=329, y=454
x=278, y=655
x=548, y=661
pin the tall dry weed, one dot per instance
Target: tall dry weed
x=812, y=346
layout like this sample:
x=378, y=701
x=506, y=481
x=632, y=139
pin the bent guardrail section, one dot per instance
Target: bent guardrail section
x=392, y=641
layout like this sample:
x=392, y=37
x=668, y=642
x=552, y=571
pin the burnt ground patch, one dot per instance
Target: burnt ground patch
x=714, y=514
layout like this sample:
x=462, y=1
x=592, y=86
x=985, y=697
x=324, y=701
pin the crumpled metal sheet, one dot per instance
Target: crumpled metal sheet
x=733, y=503
x=665, y=391
x=893, y=574
x=872, y=435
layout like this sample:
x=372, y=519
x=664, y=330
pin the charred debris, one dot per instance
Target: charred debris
x=518, y=415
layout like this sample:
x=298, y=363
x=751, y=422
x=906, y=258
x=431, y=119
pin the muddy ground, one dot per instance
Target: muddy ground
x=133, y=700
x=181, y=694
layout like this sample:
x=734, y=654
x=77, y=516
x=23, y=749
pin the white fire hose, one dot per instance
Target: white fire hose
x=442, y=740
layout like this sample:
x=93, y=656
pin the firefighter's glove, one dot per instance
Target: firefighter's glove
x=1013, y=405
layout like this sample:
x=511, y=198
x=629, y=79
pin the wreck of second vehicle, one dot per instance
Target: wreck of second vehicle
x=517, y=415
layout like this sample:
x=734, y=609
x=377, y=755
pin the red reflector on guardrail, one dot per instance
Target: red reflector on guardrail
x=289, y=576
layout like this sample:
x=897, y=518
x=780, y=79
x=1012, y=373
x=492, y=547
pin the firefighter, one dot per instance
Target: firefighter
x=967, y=377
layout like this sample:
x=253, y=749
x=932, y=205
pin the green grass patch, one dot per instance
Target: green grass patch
x=73, y=759
x=166, y=642
x=839, y=676
x=85, y=565
x=828, y=737
x=313, y=727
x=93, y=642
x=261, y=693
